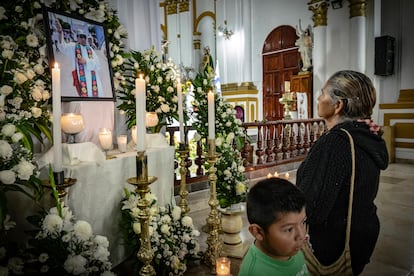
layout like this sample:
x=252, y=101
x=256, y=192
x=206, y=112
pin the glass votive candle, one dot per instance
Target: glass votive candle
x=223, y=266
x=105, y=139
x=122, y=142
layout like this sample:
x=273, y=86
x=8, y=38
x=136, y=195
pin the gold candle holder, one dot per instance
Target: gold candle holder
x=183, y=151
x=141, y=183
x=287, y=101
x=61, y=183
x=214, y=242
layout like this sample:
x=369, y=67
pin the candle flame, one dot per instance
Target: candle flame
x=56, y=65
x=287, y=175
x=276, y=174
x=141, y=76
x=269, y=175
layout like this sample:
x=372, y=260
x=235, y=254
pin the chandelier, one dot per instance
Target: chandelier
x=224, y=31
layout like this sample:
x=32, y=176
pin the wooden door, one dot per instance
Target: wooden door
x=281, y=60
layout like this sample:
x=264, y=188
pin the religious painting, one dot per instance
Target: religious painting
x=80, y=48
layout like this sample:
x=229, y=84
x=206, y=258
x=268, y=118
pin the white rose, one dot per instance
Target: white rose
x=7, y=54
x=45, y=95
x=165, y=229
x=30, y=74
x=7, y=177
x=24, y=169
x=37, y=94
x=165, y=108
x=19, y=77
x=37, y=112
x=39, y=69
x=16, y=137
x=6, y=90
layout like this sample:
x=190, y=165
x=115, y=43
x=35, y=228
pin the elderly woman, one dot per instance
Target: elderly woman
x=346, y=102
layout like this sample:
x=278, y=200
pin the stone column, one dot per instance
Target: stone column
x=320, y=22
x=357, y=36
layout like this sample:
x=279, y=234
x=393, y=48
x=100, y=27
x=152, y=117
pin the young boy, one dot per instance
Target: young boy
x=276, y=213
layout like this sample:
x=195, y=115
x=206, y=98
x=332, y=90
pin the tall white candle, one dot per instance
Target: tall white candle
x=180, y=110
x=211, y=116
x=140, y=112
x=57, y=111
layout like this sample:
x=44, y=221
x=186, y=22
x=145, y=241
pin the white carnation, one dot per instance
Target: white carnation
x=8, y=130
x=52, y=224
x=32, y=40
x=7, y=177
x=187, y=221
x=176, y=213
x=83, y=230
x=75, y=264
x=6, y=150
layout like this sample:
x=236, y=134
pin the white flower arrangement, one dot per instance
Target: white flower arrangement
x=231, y=182
x=160, y=79
x=172, y=234
x=64, y=246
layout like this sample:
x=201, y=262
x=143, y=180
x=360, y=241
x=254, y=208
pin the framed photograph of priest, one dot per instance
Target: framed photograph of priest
x=80, y=48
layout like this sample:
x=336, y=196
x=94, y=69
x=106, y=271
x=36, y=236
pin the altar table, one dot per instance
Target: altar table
x=99, y=189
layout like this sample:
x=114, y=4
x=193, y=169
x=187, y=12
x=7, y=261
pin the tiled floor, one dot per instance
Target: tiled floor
x=394, y=253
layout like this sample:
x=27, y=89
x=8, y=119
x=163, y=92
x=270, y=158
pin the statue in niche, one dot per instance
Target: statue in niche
x=208, y=64
x=305, y=44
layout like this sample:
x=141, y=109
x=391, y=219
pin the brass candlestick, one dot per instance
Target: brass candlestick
x=214, y=242
x=61, y=183
x=287, y=101
x=183, y=151
x=141, y=183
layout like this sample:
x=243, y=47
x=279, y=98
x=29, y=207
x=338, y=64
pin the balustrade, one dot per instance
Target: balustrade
x=273, y=142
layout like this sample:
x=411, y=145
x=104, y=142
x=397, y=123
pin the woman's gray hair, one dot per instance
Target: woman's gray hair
x=355, y=90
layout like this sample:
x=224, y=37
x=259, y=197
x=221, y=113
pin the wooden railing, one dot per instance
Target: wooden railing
x=267, y=144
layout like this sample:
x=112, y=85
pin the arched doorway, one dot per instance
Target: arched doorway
x=281, y=60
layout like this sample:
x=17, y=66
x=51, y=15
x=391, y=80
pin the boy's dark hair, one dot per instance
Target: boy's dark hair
x=271, y=197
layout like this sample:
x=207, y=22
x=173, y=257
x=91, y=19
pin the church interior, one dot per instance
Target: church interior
x=111, y=159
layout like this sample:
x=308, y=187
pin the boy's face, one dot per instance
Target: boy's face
x=285, y=237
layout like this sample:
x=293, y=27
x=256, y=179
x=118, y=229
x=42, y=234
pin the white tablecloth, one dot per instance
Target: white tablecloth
x=100, y=184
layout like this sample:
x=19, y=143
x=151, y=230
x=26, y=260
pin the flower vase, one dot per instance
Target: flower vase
x=232, y=224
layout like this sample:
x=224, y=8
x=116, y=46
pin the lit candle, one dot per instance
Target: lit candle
x=223, y=266
x=269, y=175
x=57, y=110
x=287, y=86
x=276, y=174
x=140, y=112
x=287, y=175
x=211, y=116
x=105, y=138
x=180, y=110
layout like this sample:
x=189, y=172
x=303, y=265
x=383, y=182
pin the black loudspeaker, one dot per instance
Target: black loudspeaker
x=384, y=55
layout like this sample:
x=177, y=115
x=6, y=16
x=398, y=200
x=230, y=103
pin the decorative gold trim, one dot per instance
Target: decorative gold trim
x=171, y=7
x=197, y=44
x=320, y=11
x=357, y=8
x=184, y=6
